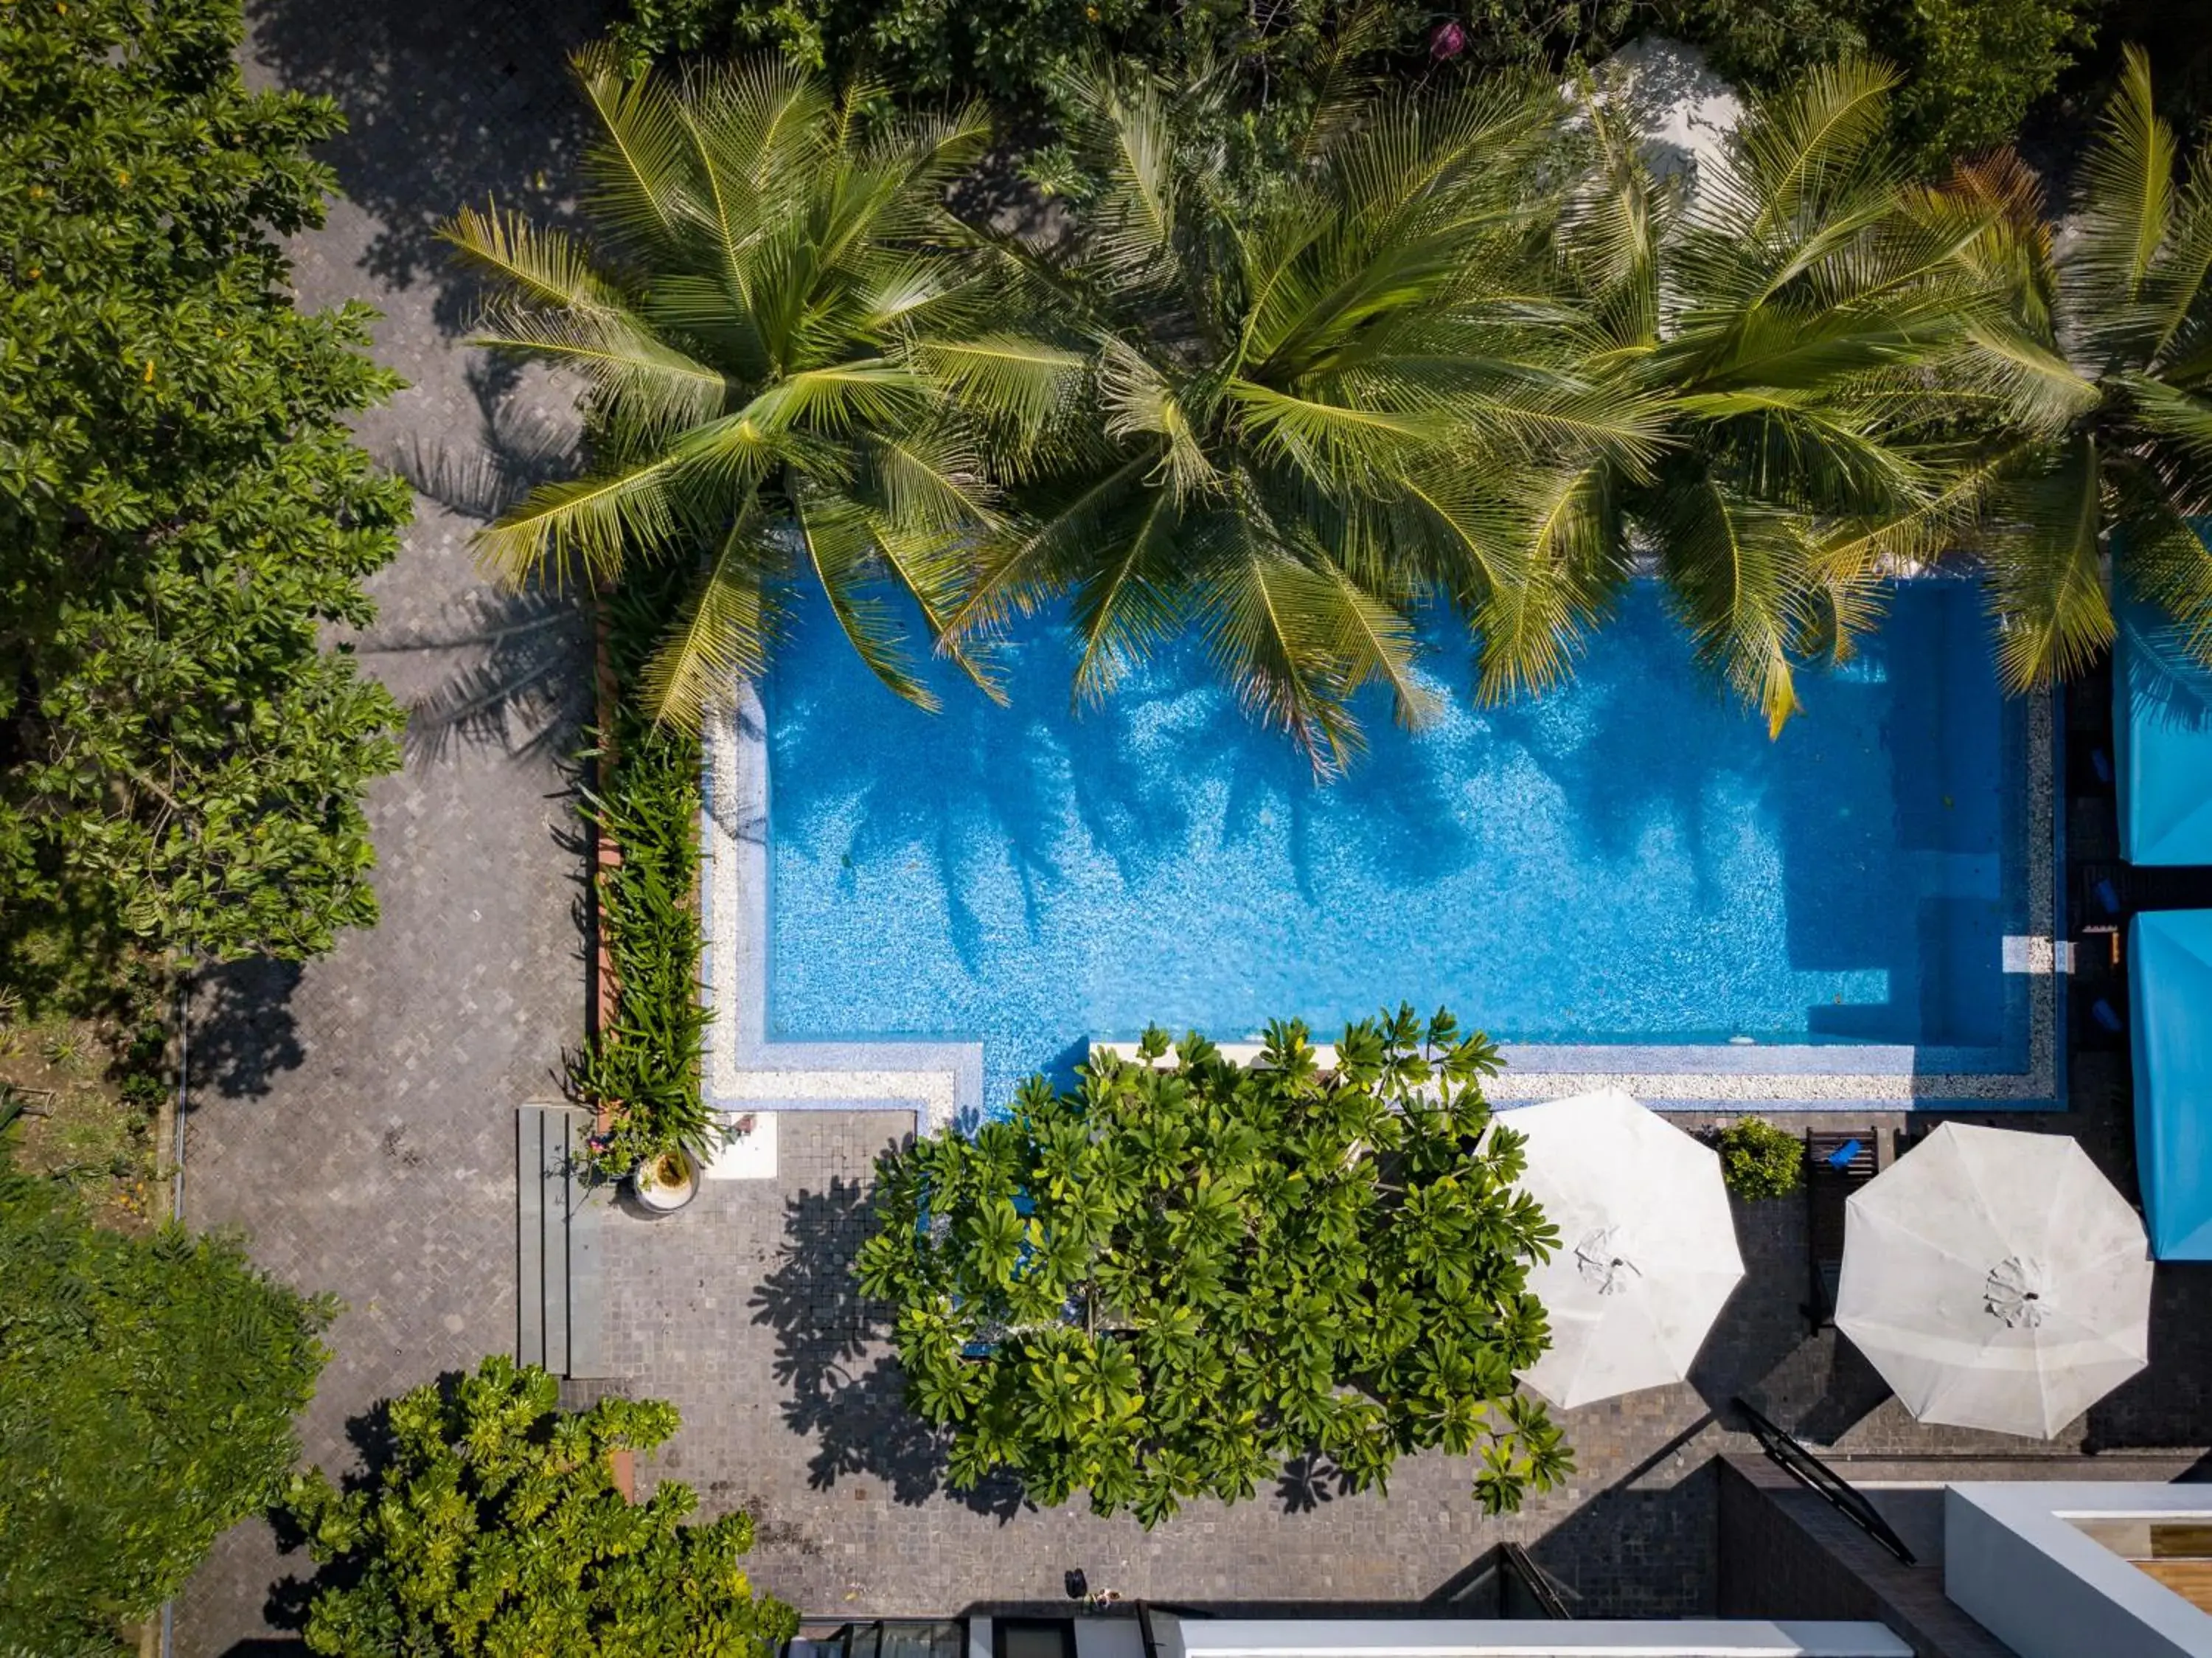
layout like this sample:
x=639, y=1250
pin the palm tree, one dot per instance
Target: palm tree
x=1308, y=408
x=770, y=329
x=1807, y=317
x=2115, y=334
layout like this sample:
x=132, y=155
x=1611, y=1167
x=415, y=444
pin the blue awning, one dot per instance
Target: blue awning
x=2170, y=988
x=2162, y=721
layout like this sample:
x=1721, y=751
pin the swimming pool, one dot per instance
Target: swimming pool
x=1627, y=866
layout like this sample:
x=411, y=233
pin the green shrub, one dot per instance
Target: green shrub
x=1760, y=1161
x=496, y=1527
x=1013, y=51
x=1971, y=67
x=646, y=1066
x=182, y=506
x=147, y=1392
x=1172, y=1279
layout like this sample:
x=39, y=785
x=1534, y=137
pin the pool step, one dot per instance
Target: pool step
x=559, y=1321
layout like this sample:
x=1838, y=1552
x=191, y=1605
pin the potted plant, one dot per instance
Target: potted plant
x=667, y=1179
x=1759, y=1160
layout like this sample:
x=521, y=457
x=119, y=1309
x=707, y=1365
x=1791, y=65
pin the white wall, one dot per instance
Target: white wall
x=2015, y=1563
x=1239, y=1638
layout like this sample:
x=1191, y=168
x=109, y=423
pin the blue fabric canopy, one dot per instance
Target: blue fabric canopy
x=2170, y=985
x=2163, y=726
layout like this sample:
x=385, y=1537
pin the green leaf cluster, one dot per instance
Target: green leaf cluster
x=773, y=328
x=645, y=1067
x=1759, y=1160
x=1171, y=1279
x=181, y=507
x=1970, y=67
x=147, y=1390
x=495, y=1528
x=2105, y=351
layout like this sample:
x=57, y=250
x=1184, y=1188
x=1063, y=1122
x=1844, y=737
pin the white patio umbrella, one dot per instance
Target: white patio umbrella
x=1995, y=1280
x=1647, y=1254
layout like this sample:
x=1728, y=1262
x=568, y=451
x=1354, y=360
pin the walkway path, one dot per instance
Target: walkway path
x=357, y=1118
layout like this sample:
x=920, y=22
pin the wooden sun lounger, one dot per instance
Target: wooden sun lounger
x=1828, y=1185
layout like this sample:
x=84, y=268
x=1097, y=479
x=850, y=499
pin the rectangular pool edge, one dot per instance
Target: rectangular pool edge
x=941, y=1080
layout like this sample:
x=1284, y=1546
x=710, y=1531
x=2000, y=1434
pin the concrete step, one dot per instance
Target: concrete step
x=560, y=1282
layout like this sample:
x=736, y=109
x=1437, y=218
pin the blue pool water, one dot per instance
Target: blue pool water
x=1628, y=860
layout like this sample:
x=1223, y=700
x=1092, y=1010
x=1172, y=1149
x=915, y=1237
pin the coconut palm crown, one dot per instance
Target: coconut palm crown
x=2116, y=455
x=1304, y=409
x=770, y=323
x=1804, y=312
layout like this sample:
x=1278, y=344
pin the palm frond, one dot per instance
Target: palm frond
x=637, y=378
x=837, y=538
x=586, y=528
x=1804, y=150
x=538, y=266
x=721, y=634
x=2045, y=587
x=1268, y=622
x=1139, y=402
x=1736, y=570
x=1130, y=599
x=2126, y=208
x=2162, y=555
x=637, y=167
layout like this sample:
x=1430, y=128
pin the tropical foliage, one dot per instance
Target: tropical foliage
x=644, y=1068
x=1971, y=69
x=496, y=1527
x=1805, y=317
x=2114, y=453
x=770, y=337
x=1296, y=413
x=1016, y=50
x=181, y=505
x=147, y=1392
x=1759, y=1160
x=1167, y=1281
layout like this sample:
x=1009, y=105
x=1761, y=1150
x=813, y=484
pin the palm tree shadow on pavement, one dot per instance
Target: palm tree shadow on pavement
x=843, y=1386
x=445, y=105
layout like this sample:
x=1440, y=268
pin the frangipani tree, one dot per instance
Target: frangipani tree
x=1808, y=322
x=1175, y=1278
x=2116, y=329
x=1305, y=407
x=770, y=323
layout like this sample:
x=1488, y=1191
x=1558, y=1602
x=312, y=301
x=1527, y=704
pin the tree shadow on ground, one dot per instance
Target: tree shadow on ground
x=843, y=1389
x=242, y=1031
x=445, y=106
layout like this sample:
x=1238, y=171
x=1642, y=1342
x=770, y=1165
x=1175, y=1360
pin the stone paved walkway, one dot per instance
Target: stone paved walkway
x=742, y=1311
x=356, y=1117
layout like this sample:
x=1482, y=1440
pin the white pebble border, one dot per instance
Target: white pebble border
x=744, y=1069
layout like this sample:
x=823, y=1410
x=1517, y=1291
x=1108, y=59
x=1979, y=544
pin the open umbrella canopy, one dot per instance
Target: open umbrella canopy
x=1995, y=1280
x=1647, y=1254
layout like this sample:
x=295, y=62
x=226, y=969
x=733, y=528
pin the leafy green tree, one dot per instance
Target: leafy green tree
x=1169, y=1281
x=770, y=341
x=2113, y=458
x=1305, y=408
x=496, y=1527
x=1970, y=67
x=181, y=507
x=1016, y=50
x=147, y=1392
x=1807, y=321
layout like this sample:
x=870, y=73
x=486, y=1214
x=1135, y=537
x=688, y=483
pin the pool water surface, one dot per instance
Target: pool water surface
x=1628, y=860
